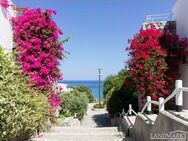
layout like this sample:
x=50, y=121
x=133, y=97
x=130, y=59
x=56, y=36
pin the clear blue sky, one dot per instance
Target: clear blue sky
x=100, y=29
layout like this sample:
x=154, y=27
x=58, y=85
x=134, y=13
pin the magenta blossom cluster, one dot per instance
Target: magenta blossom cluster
x=54, y=99
x=38, y=47
x=4, y=3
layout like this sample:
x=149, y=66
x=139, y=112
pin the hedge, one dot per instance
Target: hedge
x=21, y=112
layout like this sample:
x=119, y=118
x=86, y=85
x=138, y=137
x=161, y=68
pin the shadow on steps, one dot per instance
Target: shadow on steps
x=102, y=120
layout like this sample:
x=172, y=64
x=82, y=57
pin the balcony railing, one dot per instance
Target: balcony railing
x=159, y=17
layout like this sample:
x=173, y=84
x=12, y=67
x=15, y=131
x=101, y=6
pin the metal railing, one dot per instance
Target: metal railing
x=159, y=17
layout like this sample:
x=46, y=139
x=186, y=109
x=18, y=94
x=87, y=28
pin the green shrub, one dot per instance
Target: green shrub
x=98, y=106
x=120, y=99
x=74, y=103
x=117, y=97
x=21, y=112
x=86, y=90
x=64, y=115
x=108, y=84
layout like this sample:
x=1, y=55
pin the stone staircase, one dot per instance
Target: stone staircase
x=83, y=134
x=145, y=126
x=94, y=127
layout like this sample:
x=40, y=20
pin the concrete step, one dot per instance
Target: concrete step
x=90, y=139
x=84, y=129
x=82, y=134
x=79, y=138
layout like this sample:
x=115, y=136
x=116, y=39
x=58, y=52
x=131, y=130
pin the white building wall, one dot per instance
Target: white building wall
x=180, y=15
x=6, y=34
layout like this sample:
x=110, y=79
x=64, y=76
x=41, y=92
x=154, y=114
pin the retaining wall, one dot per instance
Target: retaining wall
x=165, y=123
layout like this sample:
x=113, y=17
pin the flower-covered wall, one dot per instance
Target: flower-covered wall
x=6, y=33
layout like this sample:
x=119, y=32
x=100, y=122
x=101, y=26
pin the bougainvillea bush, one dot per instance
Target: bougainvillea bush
x=21, y=112
x=155, y=59
x=4, y=3
x=39, y=49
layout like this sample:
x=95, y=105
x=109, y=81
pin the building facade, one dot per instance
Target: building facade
x=180, y=11
x=6, y=33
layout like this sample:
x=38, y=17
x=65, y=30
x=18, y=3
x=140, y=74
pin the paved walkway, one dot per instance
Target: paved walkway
x=96, y=117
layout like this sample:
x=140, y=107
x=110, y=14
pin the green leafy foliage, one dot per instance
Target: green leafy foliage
x=98, y=106
x=21, y=112
x=117, y=96
x=74, y=103
x=85, y=90
x=108, y=84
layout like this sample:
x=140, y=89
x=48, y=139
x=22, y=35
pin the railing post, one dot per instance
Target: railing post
x=130, y=109
x=149, y=105
x=123, y=112
x=179, y=96
x=161, y=107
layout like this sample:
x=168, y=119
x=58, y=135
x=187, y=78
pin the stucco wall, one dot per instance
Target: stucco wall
x=180, y=11
x=6, y=34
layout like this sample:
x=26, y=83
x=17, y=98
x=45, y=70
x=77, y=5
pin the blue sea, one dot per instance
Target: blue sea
x=92, y=84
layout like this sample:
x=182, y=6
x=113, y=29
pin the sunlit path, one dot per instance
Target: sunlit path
x=96, y=117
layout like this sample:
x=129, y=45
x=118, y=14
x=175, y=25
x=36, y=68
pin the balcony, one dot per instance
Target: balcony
x=158, y=18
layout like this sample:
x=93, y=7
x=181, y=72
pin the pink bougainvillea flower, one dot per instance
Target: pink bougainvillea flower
x=44, y=70
x=54, y=99
x=4, y=3
x=36, y=65
x=39, y=50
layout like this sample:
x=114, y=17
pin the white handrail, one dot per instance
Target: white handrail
x=143, y=109
x=177, y=92
x=147, y=103
x=165, y=101
x=134, y=112
x=154, y=102
x=130, y=110
x=185, y=89
x=169, y=97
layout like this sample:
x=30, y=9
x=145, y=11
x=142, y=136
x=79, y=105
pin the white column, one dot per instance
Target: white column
x=179, y=95
x=161, y=107
x=149, y=105
x=130, y=109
